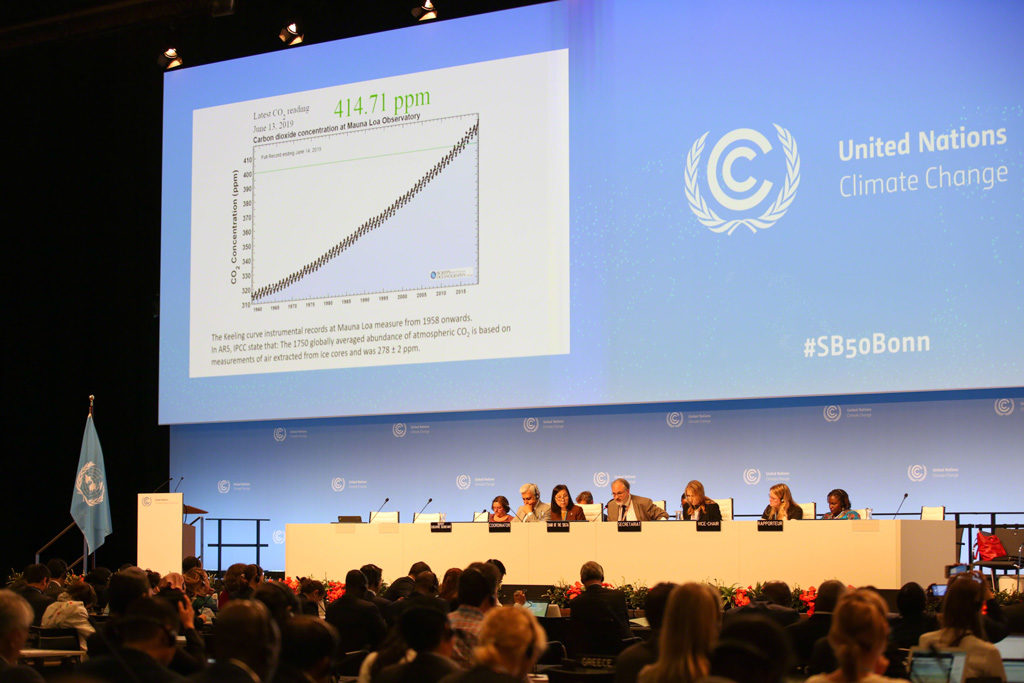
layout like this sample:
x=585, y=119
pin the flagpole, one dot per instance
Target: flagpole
x=85, y=539
x=92, y=398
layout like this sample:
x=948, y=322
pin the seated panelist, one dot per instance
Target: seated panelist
x=532, y=509
x=501, y=511
x=697, y=506
x=629, y=508
x=562, y=507
x=781, y=505
x=839, y=506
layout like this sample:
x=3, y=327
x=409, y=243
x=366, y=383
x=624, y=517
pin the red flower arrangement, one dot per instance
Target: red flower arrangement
x=808, y=597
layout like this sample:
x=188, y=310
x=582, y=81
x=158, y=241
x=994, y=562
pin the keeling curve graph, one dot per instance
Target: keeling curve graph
x=384, y=209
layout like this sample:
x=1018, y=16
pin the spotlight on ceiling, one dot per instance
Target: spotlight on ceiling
x=425, y=11
x=169, y=59
x=290, y=34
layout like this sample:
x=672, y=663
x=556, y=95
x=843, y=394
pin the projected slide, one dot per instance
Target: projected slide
x=380, y=222
x=424, y=174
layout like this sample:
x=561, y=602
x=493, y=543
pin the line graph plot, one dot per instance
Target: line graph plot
x=383, y=209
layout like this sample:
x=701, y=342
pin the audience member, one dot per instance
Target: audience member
x=254, y=575
x=246, y=644
x=236, y=585
x=15, y=619
x=374, y=580
x=58, y=576
x=774, y=606
x=36, y=578
x=198, y=590
x=126, y=586
x=635, y=657
x=192, y=657
x=279, y=599
x=913, y=621
x=858, y=636
x=99, y=579
x=71, y=610
x=752, y=649
x=172, y=581
x=624, y=506
x=426, y=631
x=403, y=586
x=307, y=645
x=190, y=562
x=144, y=643
x=477, y=587
x=359, y=622
x=804, y=634
x=532, y=509
x=450, y=588
x=424, y=595
x=511, y=641
x=962, y=628
x=688, y=634
x=311, y=597
x=598, y=621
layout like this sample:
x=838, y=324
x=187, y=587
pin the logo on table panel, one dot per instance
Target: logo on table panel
x=278, y=536
x=223, y=486
x=338, y=484
x=600, y=479
x=280, y=434
x=832, y=413
x=463, y=481
x=741, y=201
x=531, y=424
x=751, y=476
x=1004, y=406
x=917, y=472
x=399, y=429
x=147, y=501
x=674, y=419
x=90, y=484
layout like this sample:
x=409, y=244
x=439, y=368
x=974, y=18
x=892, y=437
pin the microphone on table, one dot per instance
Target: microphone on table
x=429, y=501
x=380, y=508
x=162, y=484
x=180, y=479
x=900, y=505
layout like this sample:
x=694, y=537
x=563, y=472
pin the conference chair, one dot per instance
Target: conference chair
x=863, y=512
x=933, y=512
x=662, y=504
x=1013, y=542
x=480, y=516
x=55, y=638
x=725, y=505
x=384, y=517
x=592, y=511
x=810, y=510
x=429, y=517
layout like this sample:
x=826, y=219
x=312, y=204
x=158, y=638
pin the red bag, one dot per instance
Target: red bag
x=987, y=547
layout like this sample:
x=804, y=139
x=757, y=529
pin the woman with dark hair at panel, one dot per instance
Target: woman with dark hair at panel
x=781, y=505
x=697, y=506
x=839, y=506
x=962, y=628
x=500, y=511
x=689, y=630
x=562, y=507
x=859, y=635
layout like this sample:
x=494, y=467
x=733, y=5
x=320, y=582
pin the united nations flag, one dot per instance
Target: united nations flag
x=90, y=504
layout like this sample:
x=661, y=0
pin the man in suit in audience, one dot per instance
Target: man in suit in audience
x=426, y=631
x=374, y=578
x=15, y=619
x=58, y=571
x=598, y=621
x=36, y=578
x=532, y=509
x=424, y=594
x=403, y=586
x=145, y=641
x=803, y=634
x=358, y=620
x=637, y=656
x=626, y=507
x=307, y=645
x=246, y=644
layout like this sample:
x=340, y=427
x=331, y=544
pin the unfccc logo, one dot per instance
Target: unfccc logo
x=674, y=419
x=531, y=424
x=1004, y=406
x=742, y=206
x=832, y=413
x=463, y=481
x=280, y=434
x=399, y=429
x=338, y=484
x=917, y=472
x=751, y=476
x=223, y=486
x=278, y=537
x=600, y=479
